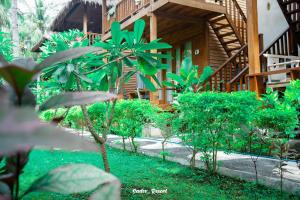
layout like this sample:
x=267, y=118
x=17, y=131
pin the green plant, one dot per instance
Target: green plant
x=130, y=118
x=164, y=121
x=208, y=121
x=188, y=79
x=105, y=70
x=5, y=46
x=20, y=130
x=278, y=119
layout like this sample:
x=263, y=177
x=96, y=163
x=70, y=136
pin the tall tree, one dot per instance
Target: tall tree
x=15, y=27
x=4, y=7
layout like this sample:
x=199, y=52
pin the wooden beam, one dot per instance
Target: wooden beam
x=253, y=46
x=85, y=20
x=104, y=11
x=253, y=41
x=185, y=19
x=204, y=48
x=154, y=96
x=201, y=5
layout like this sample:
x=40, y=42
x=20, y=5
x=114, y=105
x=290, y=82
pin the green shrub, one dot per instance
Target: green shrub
x=164, y=121
x=209, y=121
x=74, y=118
x=49, y=115
x=97, y=115
x=130, y=117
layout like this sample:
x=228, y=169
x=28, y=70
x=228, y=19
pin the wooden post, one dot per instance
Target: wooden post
x=253, y=43
x=85, y=20
x=204, y=49
x=104, y=11
x=154, y=96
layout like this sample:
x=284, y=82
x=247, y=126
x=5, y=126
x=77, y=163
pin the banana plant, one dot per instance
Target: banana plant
x=188, y=79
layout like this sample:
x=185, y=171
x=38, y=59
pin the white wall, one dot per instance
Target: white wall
x=271, y=23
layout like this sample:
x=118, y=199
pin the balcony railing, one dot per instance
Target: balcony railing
x=124, y=9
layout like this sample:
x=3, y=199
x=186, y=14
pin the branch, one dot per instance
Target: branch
x=116, y=60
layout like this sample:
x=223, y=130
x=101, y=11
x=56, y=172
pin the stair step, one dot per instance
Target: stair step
x=235, y=48
x=218, y=19
x=231, y=41
x=226, y=34
x=221, y=27
x=288, y=2
x=293, y=11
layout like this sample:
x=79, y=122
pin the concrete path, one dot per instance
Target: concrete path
x=233, y=164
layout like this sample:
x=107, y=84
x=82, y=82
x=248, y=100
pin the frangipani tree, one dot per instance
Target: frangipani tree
x=104, y=70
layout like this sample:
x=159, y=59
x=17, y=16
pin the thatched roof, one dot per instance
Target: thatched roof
x=70, y=16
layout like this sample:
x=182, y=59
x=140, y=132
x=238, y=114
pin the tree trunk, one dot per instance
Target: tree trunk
x=193, y=159
x=124, y=145
x=96, y=137
x=15, y=27
x=134, y=146
x=163, y=150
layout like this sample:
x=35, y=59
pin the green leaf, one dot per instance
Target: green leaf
x=156, y=80
x=20, y=129
x=17, y=77
x=64, y=56
x=149, y=85
x=76, y=98
x=128, y=62
x=74, y=178
x=176, y=78
x=155, y=45
x=128, y=76
x=146, y=66
x=83, y=77
x=116, y=33
x=168, y=84
x=107, y=192
x=207, y=72
x=139, y=27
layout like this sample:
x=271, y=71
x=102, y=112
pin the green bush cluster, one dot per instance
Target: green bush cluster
x=130, y=117
x=209, y=121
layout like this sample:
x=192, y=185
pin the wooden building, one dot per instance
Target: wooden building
x=220, y=33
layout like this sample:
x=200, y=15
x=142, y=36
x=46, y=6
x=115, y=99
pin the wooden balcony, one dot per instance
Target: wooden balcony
x=128, y=11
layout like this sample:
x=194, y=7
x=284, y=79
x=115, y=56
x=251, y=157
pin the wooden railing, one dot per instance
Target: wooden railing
x=123, y=10
x=92, y=37
x=237, y=18
x=279, y=46
x=230, y=69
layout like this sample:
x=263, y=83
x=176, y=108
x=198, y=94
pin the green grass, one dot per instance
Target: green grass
x=143, y=172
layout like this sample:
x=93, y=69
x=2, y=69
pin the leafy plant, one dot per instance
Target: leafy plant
x=278, y=119
x=164, y=121
x=130, y=118
x=208, y=121
x=188, y=79
x=105, y=70
x=20, y=128
x=5, y=46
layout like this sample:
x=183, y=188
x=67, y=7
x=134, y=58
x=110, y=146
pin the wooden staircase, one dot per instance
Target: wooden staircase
x=231, y=28
x=291, y=11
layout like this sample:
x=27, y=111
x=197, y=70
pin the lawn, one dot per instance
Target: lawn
x=143, y=172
